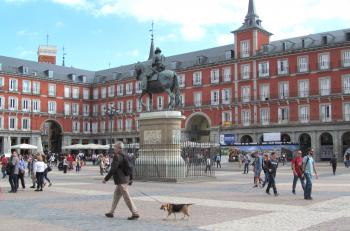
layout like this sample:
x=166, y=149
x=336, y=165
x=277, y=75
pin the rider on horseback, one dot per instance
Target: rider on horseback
x=157, y=66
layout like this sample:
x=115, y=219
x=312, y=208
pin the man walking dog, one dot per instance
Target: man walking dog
x=122, y=178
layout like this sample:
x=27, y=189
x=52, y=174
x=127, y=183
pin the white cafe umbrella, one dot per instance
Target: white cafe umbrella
x=94, y=146
x=74, y=147
x=24, y=146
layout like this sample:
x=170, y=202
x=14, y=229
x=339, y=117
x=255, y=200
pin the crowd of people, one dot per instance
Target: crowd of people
x=16, y=166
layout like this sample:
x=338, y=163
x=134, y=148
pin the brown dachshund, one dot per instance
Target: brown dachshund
x=176, y=208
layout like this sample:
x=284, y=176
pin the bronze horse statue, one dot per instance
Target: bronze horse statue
x=167, y=81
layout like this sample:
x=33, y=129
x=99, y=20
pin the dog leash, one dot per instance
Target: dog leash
x=148, y=196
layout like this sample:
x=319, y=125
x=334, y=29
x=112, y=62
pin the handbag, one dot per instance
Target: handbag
x=49, y=169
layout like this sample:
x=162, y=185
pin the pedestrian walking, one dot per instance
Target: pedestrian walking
x=121, y=180
x=31, y=165
x=218, y=160
x=257, y=169
x=65, y=165
x=297, y=165
x=21, y=172
x=309, y=169
x=246, y=161
x=77, y=163
x=12, y=170
x=265, y=169
x=39, y=169
x=272, y=169
x=4, y=162
x=333, y=163
x=208, y=163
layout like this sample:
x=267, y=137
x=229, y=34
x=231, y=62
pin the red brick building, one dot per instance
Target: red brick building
x=299, y=87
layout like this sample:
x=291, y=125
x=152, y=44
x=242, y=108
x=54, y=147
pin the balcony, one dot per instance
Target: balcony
x=324, y=66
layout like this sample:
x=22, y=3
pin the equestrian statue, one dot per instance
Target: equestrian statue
x=156, y=79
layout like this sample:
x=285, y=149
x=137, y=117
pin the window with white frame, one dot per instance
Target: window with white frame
x=25, y=124
x=226, y=118
x=95, y=110
x=346, y=84
x=228, y=55
x=111, y=91
x=86, y=109
x=1, y=122
x=138, y=105
x=120, y=106
x=52, y=90
x=346, y=58
x=36, y=105
x=75, y=93
x=128, y=124
x=346, y=111
x=283, y=68
x=75, y=126
x=160, y=102
x=181, y=79
x=86, y=93
x=326, y=113
x=103, y=109
x=95, y=93
x=51, y=107
x=138, y=86
x=245, y=117
x=13, y=103
x=110, y=105
x=26, y=86
x=304, y=114
x=303, y=64
x=182, y=100
x=75, y=109
x=325, y=86
x=2, y=102
x=13, y=85
x=120, y=125
x=226, y=72
x=128, y=87
x=214, y=76
x=94, y=127
x=67, y=91
x=2, y=83
x=264, y=70
x=303, y=86
x=215, y=97
x=245, y=93
x=245, y=49
x=323, y=61
x=283, y=90
x=12, y=123
x=197, y=99
x=66, y=109
x=36, y=88
x=86, y=126
x=245, y=71
x=120, y=89
x=102, y=126
x=197, y=78
x=264, y=92
x=103, y=92
x=129, y=106
x=226, y=96
x=265, y=116
x=283, y=115
x=26, y=105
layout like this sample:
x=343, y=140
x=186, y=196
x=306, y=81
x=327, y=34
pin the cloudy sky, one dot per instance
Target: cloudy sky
x=98, y=34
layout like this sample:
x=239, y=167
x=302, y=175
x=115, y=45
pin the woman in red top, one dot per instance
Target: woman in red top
x=4, y=162
x=296, y=167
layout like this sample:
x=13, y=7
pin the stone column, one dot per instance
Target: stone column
x=7, y=144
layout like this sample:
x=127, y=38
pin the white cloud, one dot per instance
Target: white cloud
x=59, y=24
x=26, y=54
x=224, y=39
x=284, y=19
x=27, y=33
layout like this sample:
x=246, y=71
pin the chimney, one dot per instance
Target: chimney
x=47, y=54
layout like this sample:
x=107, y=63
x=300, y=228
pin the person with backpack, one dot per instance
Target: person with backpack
x=296, y=165
x=308, y=169
x=13, y=170
x=122, y=172
x=218, y=160
x=272, y=166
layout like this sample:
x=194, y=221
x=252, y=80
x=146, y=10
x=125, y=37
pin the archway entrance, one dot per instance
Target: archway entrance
x=304, y=142
x=345, y=142
x=326, y=151
x=285, y=138
x=246, y=139
x=51, y=136
x=198, y=129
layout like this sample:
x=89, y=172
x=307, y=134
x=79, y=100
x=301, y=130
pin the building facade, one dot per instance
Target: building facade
x=299, y=87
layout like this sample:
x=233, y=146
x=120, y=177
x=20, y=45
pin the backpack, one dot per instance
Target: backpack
x=127, y=166
x=9, y=167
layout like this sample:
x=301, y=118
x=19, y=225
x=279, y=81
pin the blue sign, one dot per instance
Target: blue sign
x=227, y=139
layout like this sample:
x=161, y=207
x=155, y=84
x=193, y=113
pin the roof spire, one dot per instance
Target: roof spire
x=252, y=19
x=151, y=50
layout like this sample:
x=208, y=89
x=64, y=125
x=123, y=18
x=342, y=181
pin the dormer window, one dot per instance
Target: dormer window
x=175, y=65
x=265, y=48
x=202, y=59
x=24, y=70
x=303, y=43
x=284, y=46
x=347, y=36
x=50, y=74
x=324, y=40
x=132, y=72
x=0, y=66
x=82, y=78
x=228, y=54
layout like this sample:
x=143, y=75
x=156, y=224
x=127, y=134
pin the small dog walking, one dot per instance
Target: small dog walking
x=176, y=208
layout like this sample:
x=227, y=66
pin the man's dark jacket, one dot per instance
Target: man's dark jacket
x=117, y=172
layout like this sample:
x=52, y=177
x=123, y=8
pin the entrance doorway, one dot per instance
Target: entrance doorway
x=198, y=129
x=326, y=151
x=304, y=142
x=345, y=142
x=51, y=136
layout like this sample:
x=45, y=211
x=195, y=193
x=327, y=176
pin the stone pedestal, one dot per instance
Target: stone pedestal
x=160, y=149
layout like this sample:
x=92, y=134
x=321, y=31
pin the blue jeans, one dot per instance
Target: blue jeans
x=295, y=180
x=308, y=186
x=246, y=168
x=13, y=179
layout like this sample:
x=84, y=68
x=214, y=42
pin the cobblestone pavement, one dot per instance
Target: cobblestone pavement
x=78, y=201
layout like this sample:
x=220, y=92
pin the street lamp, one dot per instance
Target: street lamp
x=111, y=112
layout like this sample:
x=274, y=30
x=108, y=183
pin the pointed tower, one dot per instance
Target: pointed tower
x=251, y=36
x=151, y=49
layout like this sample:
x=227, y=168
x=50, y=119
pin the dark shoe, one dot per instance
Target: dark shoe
x=255, y=186
x=37, y=190
x=109, y=215
x=32, y=186
x=11, y=191
x=277, y=194
x=50, y=184
x=293, y=192
x=310, y=198
x=267, y=192
x=134, y=217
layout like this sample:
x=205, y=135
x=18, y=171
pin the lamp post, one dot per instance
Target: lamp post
x=111, y=112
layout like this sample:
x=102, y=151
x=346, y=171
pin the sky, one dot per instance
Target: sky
x=99, y=34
